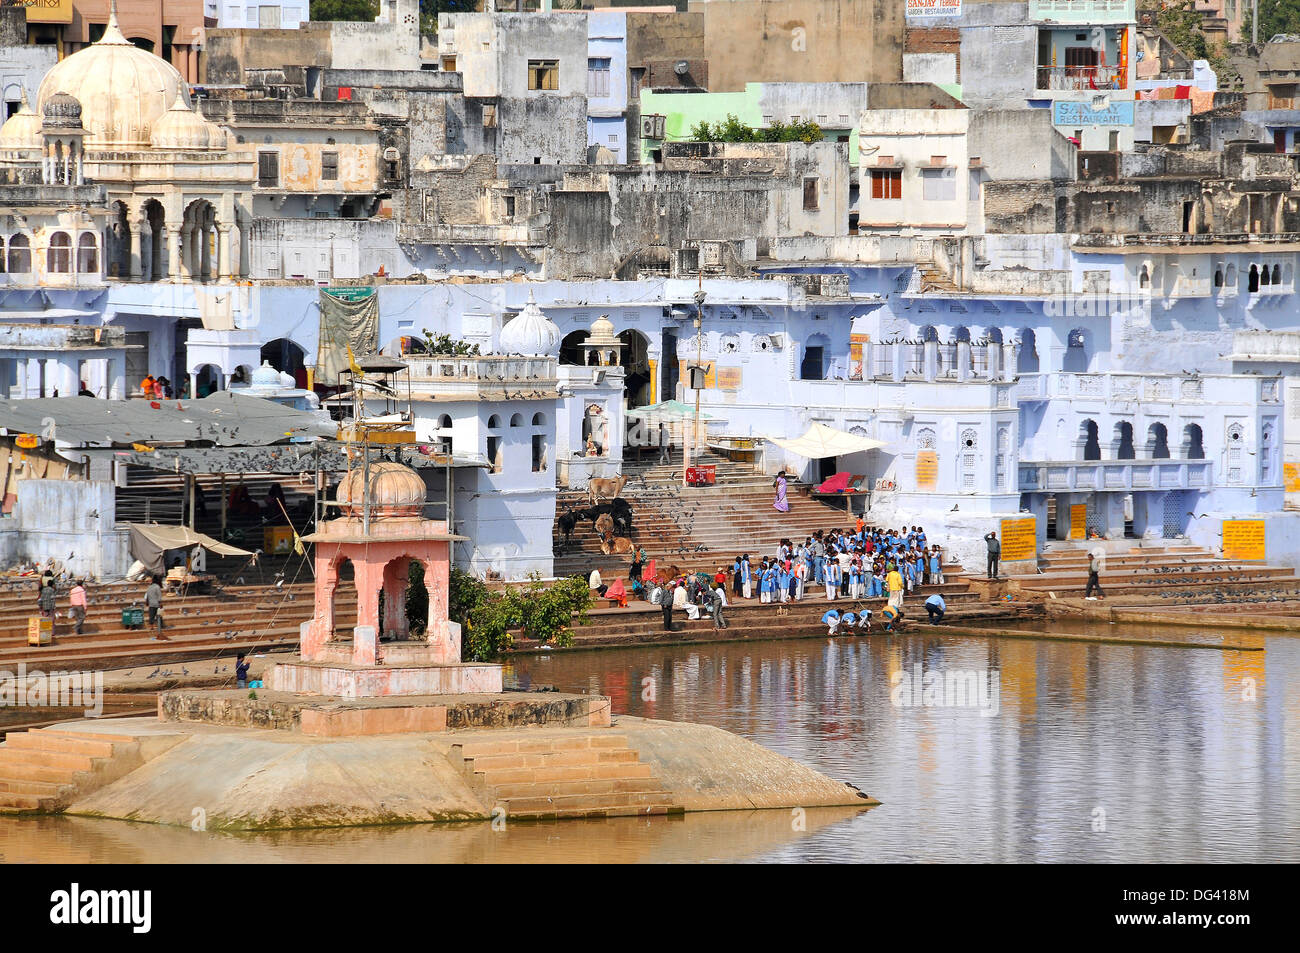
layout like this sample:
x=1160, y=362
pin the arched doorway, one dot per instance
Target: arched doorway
x=571, y=348
x=813, y=365
x=1193, y=447
x=1122, y=441
x=117, y=250
x=287, y=358
x=1089, y=444
x=1075, y=360
x=207, y=379
x=198, y=240
x=1158, y=442
x=1027, y=352
x=636, y=365
x=153, y=258
x=342, y=609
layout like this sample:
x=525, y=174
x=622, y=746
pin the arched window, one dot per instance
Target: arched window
x=1144, y=277
x=1230, y=281
x=444, y=422
x=1027, y=358
x=813, y=365
x=1158, y=442
x=59, y=258
x=539, y=420
x=20, y=255
x=929, y=333
x=993, y=336
x=444, y=434
x=1277, y=274
x=516, y=420
x=494, y=422
x=1075, y=360
x=3, y=256
x=1088, y=441
x=1252, y=282
x=87, y=254
x=1123, y=441
x=962, y=334
x=1193, y=446
x=1218, y=277
x=1264, y=277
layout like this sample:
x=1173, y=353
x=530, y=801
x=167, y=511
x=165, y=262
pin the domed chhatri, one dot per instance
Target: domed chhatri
x=122, y=90
x=602, y=345
x=185, y=128
x=395, y=491
x=61, y=111
x=530, y=333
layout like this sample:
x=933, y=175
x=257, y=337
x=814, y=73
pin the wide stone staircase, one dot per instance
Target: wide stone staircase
x=695, y=527
x=197, y=625
x=562, y=776
x=45, y=769
x=1157, y=571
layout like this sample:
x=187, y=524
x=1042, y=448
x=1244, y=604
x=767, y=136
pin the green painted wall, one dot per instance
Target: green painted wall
x=682, y=111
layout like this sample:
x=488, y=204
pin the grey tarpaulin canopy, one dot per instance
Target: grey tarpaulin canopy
x=149, y=542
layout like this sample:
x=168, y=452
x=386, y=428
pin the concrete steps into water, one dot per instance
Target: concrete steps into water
x=557, y=777
x=42, y=771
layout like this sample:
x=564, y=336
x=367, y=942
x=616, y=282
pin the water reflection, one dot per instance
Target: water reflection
x=1171, y=754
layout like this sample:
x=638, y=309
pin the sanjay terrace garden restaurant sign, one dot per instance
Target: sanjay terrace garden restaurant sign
x=929, y=9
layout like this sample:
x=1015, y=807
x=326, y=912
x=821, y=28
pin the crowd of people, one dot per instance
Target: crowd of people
x=857, y=563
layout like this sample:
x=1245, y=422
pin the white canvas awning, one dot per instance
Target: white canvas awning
x=821, y=441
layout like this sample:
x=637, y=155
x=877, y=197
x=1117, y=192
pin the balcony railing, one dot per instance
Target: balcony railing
x=1080, y=77
x=1083, y=11
x=456, y=376
x=1116, y=475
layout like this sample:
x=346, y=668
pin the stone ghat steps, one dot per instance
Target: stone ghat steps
x=558, y=777
x=648, y=471
x=708, y=527
x=250, y=622
x=43, y=770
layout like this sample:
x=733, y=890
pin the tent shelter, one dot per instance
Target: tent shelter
x=821, y=441
x=149, y=543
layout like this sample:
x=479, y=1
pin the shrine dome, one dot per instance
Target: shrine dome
x=530, y=333
x=395, y=490
x=123, y=90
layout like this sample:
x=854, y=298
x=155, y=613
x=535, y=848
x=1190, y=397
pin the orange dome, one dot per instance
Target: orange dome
x=395, y=490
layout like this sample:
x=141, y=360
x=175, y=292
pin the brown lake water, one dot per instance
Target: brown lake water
x=1020, y=751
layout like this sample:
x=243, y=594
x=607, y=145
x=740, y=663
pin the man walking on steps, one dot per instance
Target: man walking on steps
x=1094, y=580
x=995, y=553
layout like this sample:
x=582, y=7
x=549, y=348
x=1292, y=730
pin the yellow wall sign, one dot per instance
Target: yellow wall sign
x=1243, y=539
x=1291, y=477
x=1019, y=539
x=1078, y=520
x=43, y=11
x=729, y=378
x=27, y=441
x=927, y=469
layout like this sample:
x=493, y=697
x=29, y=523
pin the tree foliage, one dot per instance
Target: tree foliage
x=488, y=618
x=732, y=129
x=1181, y=23
x=1275, y=16
x=361, y=10
x=446, y=344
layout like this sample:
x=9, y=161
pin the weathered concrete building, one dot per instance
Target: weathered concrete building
x=527, y=73
x=709, y=207
x=801, y=41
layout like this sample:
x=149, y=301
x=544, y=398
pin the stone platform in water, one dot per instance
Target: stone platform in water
x=326, y=716
x=269, y=779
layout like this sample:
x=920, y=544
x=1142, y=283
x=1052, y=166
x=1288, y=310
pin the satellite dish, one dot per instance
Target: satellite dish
x=682, y=68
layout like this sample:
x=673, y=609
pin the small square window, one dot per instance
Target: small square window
x=329, y=166
x=544, y=74
x=268, y=169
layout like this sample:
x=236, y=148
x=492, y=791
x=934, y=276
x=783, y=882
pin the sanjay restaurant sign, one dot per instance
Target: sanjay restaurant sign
x=932, y=9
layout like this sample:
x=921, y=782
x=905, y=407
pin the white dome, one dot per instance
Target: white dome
x=265, y=376
x=123, y=90
x=530, y=332
x=185, y=128
x=22, y=130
